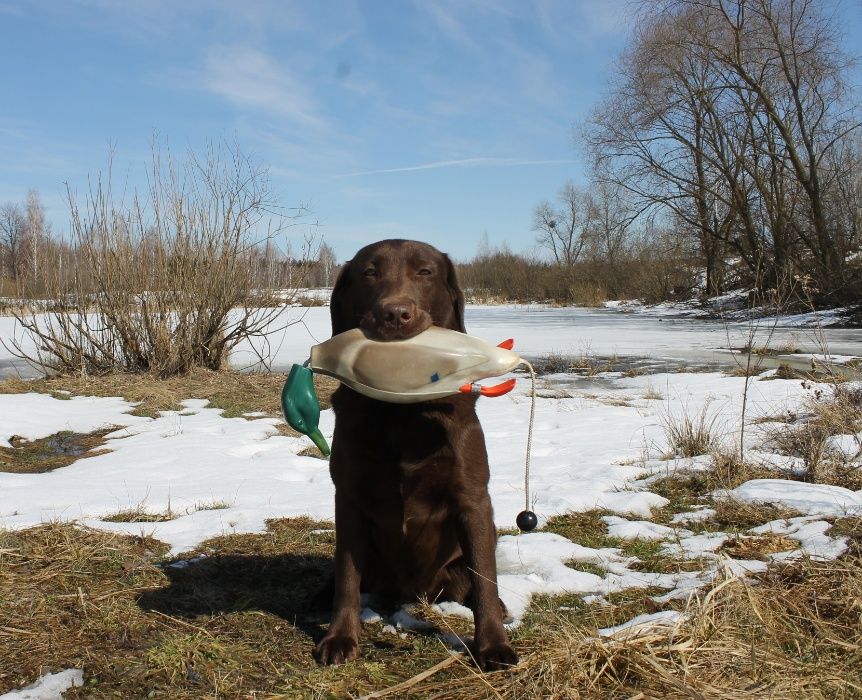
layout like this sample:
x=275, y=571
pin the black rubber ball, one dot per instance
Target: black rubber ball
x=526, y=521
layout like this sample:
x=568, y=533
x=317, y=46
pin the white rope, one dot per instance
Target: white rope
x=529, y=434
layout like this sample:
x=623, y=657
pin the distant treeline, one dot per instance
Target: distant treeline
x=653, y=267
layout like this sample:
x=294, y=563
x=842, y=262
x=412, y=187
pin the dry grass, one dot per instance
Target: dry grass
x=732, y=514
x=238, y=623
x=757, y=546
x=652, y=394
x=141, y=514
x=585, y=363
x=795, y=634
x=589, y=294
x=235, y=624
x=688, y=490
x=835, y=410
x=691, y=435
x=237, y=393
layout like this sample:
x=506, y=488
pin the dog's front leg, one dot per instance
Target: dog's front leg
x=341, y=643
x=478, y=540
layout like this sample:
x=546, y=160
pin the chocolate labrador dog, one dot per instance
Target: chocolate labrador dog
x=412, y=513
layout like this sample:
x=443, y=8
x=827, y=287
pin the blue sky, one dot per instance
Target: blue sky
x=436, y=120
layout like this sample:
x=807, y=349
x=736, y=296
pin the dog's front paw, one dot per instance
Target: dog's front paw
x=496, y=657
x=336, y=649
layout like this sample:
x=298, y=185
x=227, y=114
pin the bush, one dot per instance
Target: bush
x=168, y=281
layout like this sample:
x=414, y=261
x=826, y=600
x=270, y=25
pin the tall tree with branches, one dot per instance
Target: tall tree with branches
x=735, y=116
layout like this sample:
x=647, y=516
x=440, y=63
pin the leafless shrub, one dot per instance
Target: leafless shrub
x=167, y=281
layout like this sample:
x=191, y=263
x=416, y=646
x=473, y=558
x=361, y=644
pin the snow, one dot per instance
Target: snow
x=535, y=563
x=695, y=546
x=815, y=499
x=51, y=686
x=823, y=359
x=643, y=625
x=34, y=416
x=741, y=568
x=183, y=461
x=695, y=516
x=810, y=532
x=847, y=446
x=638, y=529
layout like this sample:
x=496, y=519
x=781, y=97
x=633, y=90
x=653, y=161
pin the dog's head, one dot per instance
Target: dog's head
x=396, y=289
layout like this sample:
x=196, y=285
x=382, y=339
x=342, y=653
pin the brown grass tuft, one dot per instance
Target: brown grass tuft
x=691, y=435
x=732, y=514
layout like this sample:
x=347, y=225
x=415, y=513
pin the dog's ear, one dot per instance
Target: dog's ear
x=456, y=294
x=337, y=303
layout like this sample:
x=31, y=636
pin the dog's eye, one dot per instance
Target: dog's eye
x=424, y=271
x=370, y=272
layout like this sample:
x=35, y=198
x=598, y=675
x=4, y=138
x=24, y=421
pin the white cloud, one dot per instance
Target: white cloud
x=461, y=163
x=251, y=79
x=448, y=23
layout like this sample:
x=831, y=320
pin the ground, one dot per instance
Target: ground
x=166, y=538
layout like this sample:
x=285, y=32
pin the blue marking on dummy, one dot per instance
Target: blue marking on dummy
x=435, y=377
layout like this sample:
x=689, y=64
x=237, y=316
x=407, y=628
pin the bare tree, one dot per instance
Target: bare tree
x=327, y=262
x=563, y=230
x=13, y=234
x=734, y=114
x=37, y=231
x=611, y=218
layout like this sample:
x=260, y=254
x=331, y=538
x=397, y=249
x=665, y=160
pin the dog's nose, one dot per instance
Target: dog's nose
x=398, y=314
x=395, y=317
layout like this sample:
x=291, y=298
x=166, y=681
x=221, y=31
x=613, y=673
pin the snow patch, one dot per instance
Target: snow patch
x=695, y=546
x=637, y=529
x=35, y=416
x=810, y=532
x=813, y=499
x=643, y=625
x=534, y=563
x=51, y=686
x=693, y=516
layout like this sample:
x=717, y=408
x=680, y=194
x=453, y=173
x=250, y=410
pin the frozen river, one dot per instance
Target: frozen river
x=649, y=336
x=652, y=339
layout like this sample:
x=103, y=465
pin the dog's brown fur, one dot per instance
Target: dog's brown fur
x=412, y=513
